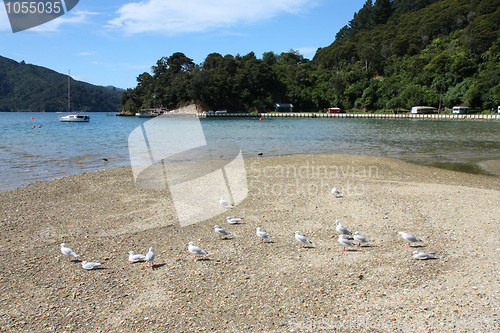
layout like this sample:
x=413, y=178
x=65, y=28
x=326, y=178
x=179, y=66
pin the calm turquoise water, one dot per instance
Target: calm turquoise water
x=58, y=149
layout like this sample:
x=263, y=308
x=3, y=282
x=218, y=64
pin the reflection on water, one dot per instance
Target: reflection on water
x=57, y=149
x=456, y=145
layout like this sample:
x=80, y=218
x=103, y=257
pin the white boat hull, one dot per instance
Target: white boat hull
x=74, y=118
x=144, y=115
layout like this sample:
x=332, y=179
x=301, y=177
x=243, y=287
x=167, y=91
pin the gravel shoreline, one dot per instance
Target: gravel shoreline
x=247, y=286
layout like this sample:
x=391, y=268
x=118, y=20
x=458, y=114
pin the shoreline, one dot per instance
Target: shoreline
x=244, y=285
x=405, y=116
x=489, y=168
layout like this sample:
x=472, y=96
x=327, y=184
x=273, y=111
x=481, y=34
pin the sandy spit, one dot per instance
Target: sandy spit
x=245, y=286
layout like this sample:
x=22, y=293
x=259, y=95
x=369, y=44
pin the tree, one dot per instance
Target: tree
x=445, y=50
x=212, y=61
x=178, y=62
x=292, y=57
x=382, y=11
x=270, y=58
x=343, y=33
x=364, y=19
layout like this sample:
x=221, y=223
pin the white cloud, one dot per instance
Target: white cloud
x=51, y=26
x=73, y=17
x=180, y=16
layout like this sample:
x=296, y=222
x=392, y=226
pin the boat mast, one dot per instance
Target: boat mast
x=69, y=106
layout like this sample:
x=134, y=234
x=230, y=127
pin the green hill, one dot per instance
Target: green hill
x=25, y=87
x=446, y=52
x=393, y=54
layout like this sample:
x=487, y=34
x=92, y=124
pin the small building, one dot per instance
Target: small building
x=280, y=107
x=335, y=110
x=461, y=109
x=423, y=109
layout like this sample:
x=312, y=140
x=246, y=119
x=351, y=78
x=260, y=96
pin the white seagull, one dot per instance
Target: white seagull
x=409, y=238
x=262, y=234
x=233, y=220
x=221, y=232
x=341, y=229
x=150, y=257
x=302, y=239
x=336, y=192
x=196, y=251
x=132, y=257
x=360, y=239
x=68, y=252
x=344, y=242
x=423, y=255
x=90, y=265
x=225, y=203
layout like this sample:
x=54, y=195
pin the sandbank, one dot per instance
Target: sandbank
x=245, y=285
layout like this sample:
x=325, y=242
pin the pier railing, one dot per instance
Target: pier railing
x=357, y=115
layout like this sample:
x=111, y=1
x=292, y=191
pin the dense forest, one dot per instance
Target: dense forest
x=25, y=87
x=393, y=54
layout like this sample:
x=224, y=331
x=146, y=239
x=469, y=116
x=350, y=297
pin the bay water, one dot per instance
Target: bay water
x=37, y=146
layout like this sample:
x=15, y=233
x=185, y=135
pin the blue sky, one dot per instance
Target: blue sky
x=111, y=42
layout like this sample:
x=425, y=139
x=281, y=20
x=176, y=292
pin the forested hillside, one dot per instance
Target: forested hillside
x=392, y=55
x=26, y=87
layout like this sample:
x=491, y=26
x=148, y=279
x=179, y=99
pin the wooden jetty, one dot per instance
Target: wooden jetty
x=411, y=116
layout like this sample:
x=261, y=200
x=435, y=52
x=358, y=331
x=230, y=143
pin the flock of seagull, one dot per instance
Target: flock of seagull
x=148, y=258
x=197, y=251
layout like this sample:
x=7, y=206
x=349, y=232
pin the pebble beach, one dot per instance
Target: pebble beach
x=246, y=286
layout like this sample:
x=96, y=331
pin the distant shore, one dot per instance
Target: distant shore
x=247, y=286
x=364, y=115
x=412, y=116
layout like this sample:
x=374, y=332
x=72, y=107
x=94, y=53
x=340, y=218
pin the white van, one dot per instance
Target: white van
x=423, y=109
x=461, y=109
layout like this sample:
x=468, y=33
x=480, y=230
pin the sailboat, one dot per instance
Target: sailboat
x=72, y=117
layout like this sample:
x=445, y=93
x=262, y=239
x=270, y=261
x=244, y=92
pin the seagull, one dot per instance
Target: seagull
x=341, y=229
x=360, y=239
x=409, y=238
x=301, y=238
x=262, y=234
x=196, y=250
x=233, y=220
x=336, y=192
x=90, y=265
x=132, y=257
x=225, y=203
x=150, y=257
x=423, y=255
x=221, y=232
x=68, y=252
x=344, y=242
